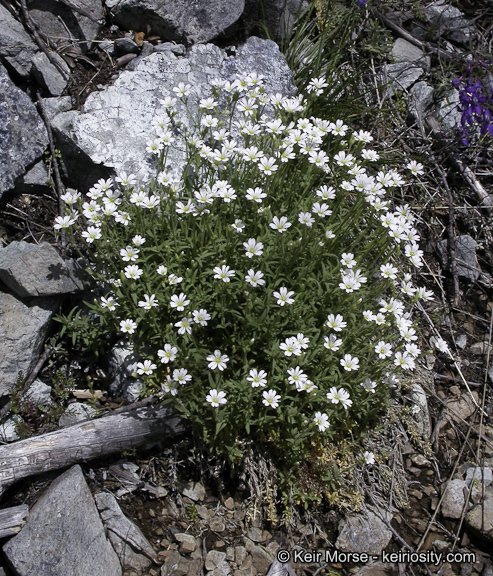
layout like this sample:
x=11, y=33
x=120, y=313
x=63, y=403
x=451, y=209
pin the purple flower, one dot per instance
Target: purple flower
x=362, y=3
x=475, y=103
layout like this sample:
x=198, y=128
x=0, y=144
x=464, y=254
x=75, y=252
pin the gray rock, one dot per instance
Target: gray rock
x=215, y=559
x=364, y=532
x=120, y=362
x=75, y=413
x=195, y=491
x=261, y=559
x=63, y=534
x=107, y=46
x=449, y=22
x=122, y=113
x=420, y=100
x=483, y=475
x=51, y=77
x=23, y=330
x=39, y=394
x=178, y=20
x=400, y=76
x=131, y=546
x=454, y=498
x=178, y=49
x=23, y=136
x=37, y=270
x=34, y=181
x=54, y=17
x=125, y=46
x=447, y=112
x=404, y=51
x=465, y=254
x=16, y=46
x=56, y=105
x=177, y=565
x=8, y=431
x=461, y=341
x=480, y=519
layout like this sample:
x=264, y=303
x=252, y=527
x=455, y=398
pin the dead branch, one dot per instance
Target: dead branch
x=87, y=440
x=12, y=520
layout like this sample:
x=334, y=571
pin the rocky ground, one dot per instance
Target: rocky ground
x=168, y=509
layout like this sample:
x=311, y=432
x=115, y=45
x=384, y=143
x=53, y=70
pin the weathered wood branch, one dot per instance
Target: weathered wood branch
x=12, y=520
x=91, y=439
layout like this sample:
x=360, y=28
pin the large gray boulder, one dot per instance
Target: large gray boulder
x=63, y=534
x=16, y=46
x=364, y=532
x=178, y=20
x=23, y=330
x=112, y=129
x=23, y=136
x=55, y=18
x=38, y=270
x=449, y=22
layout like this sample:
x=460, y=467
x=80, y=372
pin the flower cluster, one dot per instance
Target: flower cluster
x=476, y=105
x=276, y=261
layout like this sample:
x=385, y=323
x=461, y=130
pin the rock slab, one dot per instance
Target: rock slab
x=37, y=270
x=23, y=331
x=365, y=532
x=23, y=136
x=63, y=534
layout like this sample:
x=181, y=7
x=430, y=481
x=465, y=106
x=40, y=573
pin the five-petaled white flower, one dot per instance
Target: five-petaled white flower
x=369, y=457
x=128, y=326
x=257, y=378
x=201, y=317
x=179, y=302
x=284, y=296
x=271, y=399
x=369, y=385
x=148, y=302
x=109, y=303
x=146, y=367
x=321, y=420
x=184, y=325
x=336, y=322
x=253, y=248
x=168, y=354
x=291, y=347
x=280, y=224
x=216, y=398
x=331, y=342
x=383, y=349
x=254, y=278
x=181, y=375
x=217, y=360
x=92, y=233
x=223, y=273
x=341, y=395
x=349, y=362
x=133, y=272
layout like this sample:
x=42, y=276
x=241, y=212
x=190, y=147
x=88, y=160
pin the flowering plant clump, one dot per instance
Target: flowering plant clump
x=476, y=105
x=269, y=288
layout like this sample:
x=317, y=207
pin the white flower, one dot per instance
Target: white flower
x=284, y=296
x=187, y=208
x=216, y=398
x=223, y=273
x=146, y=367
x=290, y=347
x=347, y=259
x=332, y=342
x=404, y=360
x=303, y=341
x=296, y=376
x=415, y=167
x=238, y=225
x=109, y=303
x=179, y=302
x=341, y=395
x=168, y=354
x=64, y=222
x=129, y=254
x=389, y=271
x=169, y=386
x=133, y=272
x=349, y=362
x=271, y=399
x=174, y=279
x=92, y=233
x=369, y=385
x=201, y=317
x=70, y=197
x=306, y=219
x=441, y=345
x=344, y=159
x=326, y=193
x=257, y=378
x=217, y=360
x=253, y=248
x=162, y=270
x=336, y=322
x=280, y=224
x=184, y=325
x=322, y=421
x=138, y=240
x=128, y=326
x=383, y=349
x=148, y=302
x=181, y=376
x=369, y=457
x=321, y=210
x=254, y=278
x=182, y=89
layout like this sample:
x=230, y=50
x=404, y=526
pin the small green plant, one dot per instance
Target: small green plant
x=192, y=513
x=268, y=286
